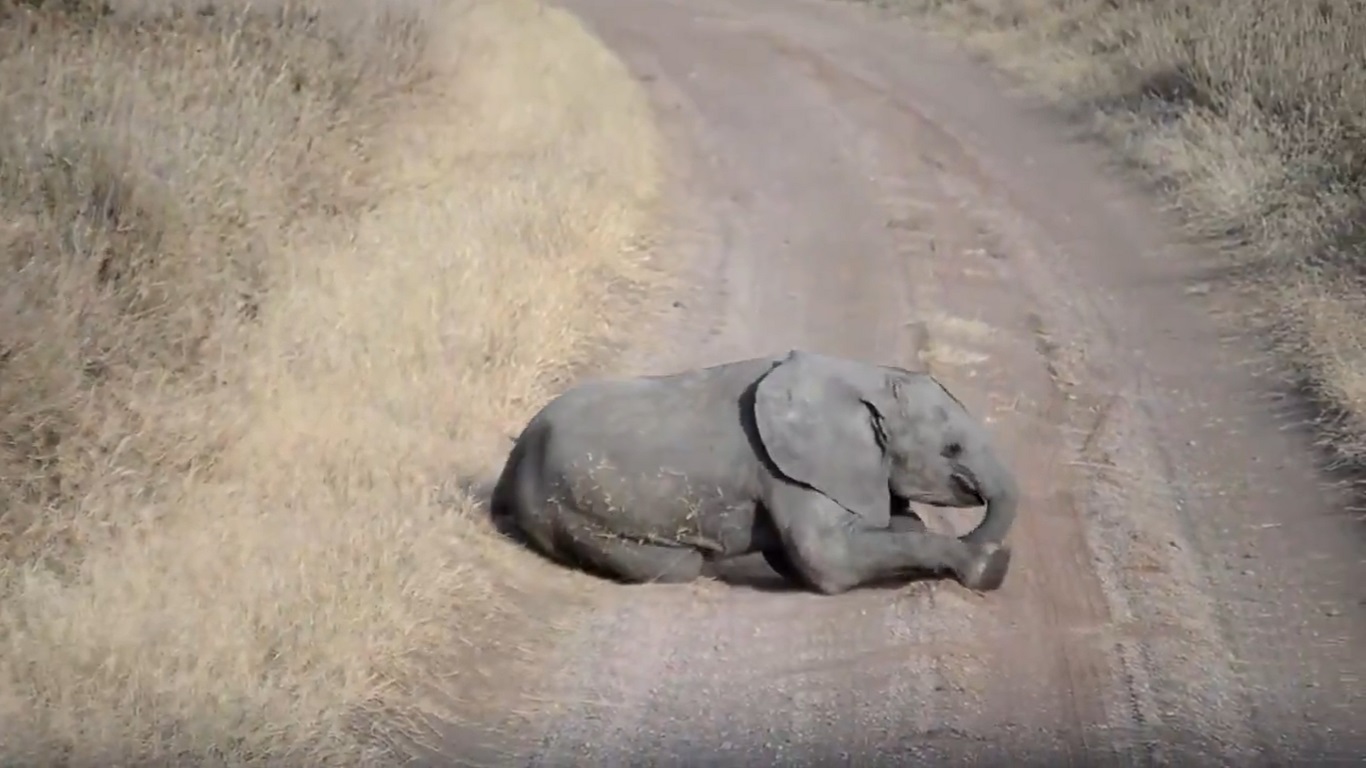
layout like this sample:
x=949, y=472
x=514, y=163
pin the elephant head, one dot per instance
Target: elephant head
x=858, y=432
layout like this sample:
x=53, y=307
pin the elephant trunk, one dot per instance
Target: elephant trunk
x=998, y=489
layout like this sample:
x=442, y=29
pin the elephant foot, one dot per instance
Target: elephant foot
x=777, y=559
x=988, y=570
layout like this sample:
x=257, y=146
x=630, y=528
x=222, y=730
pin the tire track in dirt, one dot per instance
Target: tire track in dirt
x=1096, y=654
x=848, y=189
x=957, y=266
x=1191, y=477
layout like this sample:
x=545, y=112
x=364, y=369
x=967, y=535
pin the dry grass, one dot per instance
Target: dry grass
x=275, y=281
x=1252, y=114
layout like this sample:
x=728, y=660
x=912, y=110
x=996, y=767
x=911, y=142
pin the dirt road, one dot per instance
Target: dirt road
x=1180, y=592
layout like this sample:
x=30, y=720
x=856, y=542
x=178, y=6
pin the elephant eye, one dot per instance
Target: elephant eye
x=952, y=450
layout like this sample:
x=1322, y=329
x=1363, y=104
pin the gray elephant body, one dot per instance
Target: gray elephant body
x=803, y=457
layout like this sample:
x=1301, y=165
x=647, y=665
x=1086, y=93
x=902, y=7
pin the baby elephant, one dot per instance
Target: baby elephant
x=803, y=457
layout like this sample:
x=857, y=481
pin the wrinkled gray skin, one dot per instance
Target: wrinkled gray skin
x=804, y=457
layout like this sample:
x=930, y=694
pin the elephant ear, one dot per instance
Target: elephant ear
x=818, y=428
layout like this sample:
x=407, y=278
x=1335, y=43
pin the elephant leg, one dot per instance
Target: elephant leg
x=567, y=538
x=777, y=559
x=634, y=562
x=835, y=554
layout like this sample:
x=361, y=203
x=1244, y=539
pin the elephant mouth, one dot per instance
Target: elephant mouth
x=965, y=485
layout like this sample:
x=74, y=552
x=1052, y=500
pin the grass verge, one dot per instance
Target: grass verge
x=278, y=278
x=1251, y=115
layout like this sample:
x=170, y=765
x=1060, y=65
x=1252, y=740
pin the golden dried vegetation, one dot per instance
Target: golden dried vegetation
x=279, y=278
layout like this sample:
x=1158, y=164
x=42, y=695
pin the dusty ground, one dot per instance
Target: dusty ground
x=1180, y=592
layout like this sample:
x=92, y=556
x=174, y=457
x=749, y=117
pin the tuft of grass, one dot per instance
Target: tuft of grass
x=1252, y=116
x=280, y=279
